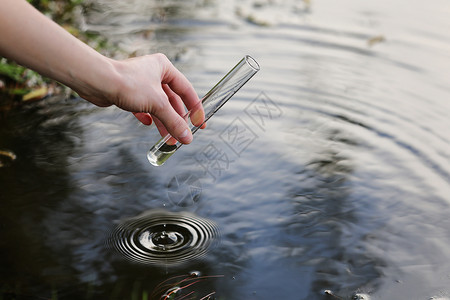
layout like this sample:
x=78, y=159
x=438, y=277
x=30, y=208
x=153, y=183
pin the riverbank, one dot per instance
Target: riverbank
x=20, y=85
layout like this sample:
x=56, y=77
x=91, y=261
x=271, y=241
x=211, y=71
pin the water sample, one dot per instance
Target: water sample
x=211, y=102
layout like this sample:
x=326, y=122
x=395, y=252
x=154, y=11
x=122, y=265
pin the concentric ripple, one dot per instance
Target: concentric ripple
x=161, y=237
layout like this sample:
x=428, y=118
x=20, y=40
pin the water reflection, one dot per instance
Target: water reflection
x=323, y=224
x=35, y=183
x=142, y=27
x=347, y=191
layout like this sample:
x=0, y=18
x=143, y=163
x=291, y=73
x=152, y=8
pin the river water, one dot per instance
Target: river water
x=327, y=176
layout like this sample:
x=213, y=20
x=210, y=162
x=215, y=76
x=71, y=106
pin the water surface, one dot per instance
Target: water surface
x=327, y=174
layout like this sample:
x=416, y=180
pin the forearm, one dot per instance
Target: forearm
x=33, y=40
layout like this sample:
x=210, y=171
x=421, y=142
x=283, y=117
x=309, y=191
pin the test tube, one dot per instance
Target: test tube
x=211, y=102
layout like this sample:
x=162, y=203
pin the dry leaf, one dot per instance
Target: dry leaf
x=375, y=40
x=36, y=94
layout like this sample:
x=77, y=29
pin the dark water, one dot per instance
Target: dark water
x=326, y=177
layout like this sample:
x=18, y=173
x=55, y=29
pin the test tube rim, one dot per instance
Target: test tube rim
x=252, y=63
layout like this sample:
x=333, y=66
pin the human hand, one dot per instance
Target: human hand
x=153, y=89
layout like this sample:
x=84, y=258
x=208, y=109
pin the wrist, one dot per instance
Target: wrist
x=99, y=83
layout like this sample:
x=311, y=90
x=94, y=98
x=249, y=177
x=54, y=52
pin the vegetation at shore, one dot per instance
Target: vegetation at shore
x=19, y=85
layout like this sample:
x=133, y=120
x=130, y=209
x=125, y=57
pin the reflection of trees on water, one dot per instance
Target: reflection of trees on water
x=59, y=201
x=326, y=226
x=33, y=185
x=141, y=27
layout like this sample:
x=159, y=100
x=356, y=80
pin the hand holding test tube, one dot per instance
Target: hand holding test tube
x=211, y=102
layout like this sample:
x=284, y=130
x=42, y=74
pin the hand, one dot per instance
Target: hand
x=151, y=86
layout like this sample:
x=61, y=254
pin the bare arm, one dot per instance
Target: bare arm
x=147, y=85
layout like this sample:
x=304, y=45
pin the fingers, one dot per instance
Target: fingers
x=179, y=85
x=175, y=103
x=168, y=92
x=144, y=118
x=176, y=126
x=163, y=131
x=196, y=115
x=174, y=100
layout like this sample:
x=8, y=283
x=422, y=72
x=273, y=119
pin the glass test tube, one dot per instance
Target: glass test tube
x=211, y=102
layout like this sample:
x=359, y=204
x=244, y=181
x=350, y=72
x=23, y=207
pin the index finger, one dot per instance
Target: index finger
x=179, y=84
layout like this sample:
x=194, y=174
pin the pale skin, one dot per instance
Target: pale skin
x=148, y=86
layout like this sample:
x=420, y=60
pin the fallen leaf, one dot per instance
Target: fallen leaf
x=36, y=94
x=375, y=40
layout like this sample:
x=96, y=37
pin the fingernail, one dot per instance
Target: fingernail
x=197, y=117
x=185, y=136
x=148, y=120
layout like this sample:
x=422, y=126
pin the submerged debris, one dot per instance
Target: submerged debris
x=6, y=158
x=182, y=286
x=375, y=40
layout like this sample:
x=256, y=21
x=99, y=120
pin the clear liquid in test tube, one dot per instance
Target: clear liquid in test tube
x=211, y=102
